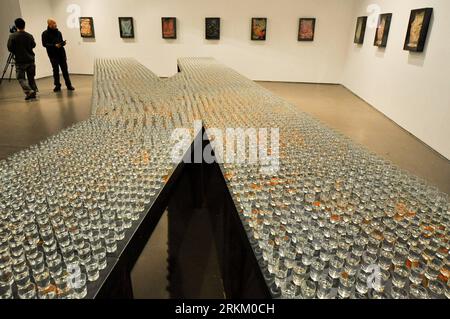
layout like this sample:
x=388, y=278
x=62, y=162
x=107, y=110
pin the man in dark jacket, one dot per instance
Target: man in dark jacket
x=21, y=44
x=53, y=41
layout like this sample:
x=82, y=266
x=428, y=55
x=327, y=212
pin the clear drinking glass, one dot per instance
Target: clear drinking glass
x=27, y=292
x=5, y=291
x=80, y=289
x=418, y=292
x=308, y=289
x=324, y=288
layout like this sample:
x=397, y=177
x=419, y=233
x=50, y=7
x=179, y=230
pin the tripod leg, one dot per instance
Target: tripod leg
x=6, y=68
x=10, y=73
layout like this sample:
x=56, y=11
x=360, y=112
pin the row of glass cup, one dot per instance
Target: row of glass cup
x=328, y=193
x=66, y=203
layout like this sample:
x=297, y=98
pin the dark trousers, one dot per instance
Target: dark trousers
x=58, y=63
x=25, y=74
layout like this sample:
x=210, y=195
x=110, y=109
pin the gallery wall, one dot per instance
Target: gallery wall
x=9, y=11
x=280, y=58
x=36, y=13
x=412, y=89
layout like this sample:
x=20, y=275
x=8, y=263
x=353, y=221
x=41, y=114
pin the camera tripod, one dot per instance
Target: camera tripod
x=11, y=62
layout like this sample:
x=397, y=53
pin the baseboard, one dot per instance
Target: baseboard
x=299, y=82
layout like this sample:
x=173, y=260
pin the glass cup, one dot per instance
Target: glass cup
x=27, y=292
x=399, y=293
x=80, y=287
x=447, y=290
x=417, y=273
x=308, y=289
x=317, y=267
x=6, y=275
x=400, y=276
x=55, y=265
x=22, y=279
x=362, y=283
x=110, y=241
x=289, y=291
x=346, y=285
x=418, y=292
x=92, y=269
x=5, y=291
x=437, y=288
x=47, y=293
x=336, y=267
x=63, y=289
x=324, y=288
x=100, y=254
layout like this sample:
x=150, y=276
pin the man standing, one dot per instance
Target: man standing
x=52, y=40
x=21, y=44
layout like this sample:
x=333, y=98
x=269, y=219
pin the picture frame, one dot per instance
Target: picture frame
x=259, y=29
x=382, y=30
x=360, y=32
x=306, y=29
x=418, y=26
x=169, y=28
x=126, y=26
x=212, y=28
x=87, y=29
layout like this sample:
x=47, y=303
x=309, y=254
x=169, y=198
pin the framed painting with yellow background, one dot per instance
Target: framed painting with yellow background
x=360, y=30
x=259, y=29
x=87, y=27
x=307, y=29
x=382, y=32
x=419, y=22
x=169, y=28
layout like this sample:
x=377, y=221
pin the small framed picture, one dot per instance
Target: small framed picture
x=126, y=27
x=87, y=27
x=212, y=26
x=169, y=28
x=419, y=23
x=259, y=29
x=382, y=32
x=360, y=30
x=306, y=29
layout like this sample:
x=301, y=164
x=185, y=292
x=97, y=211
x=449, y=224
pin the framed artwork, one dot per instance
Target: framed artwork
x=306, y=29
x=419, y=22
x=212, y=26
x=382, y=32
x=259, y=29
x=126, y=28
x=87, y=27
x=169, y=28
x=360, y=30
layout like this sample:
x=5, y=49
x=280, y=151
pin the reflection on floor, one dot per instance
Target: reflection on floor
x=23, y=124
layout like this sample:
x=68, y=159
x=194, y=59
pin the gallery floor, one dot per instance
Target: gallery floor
x=26, y=123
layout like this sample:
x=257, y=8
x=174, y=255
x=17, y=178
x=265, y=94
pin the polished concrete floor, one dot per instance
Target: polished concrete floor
x=340, y=109
x=25, y=123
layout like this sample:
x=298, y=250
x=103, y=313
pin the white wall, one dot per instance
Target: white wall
x=280, y=58
x=9, y=11
x=413, y=89
x=36, y=13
